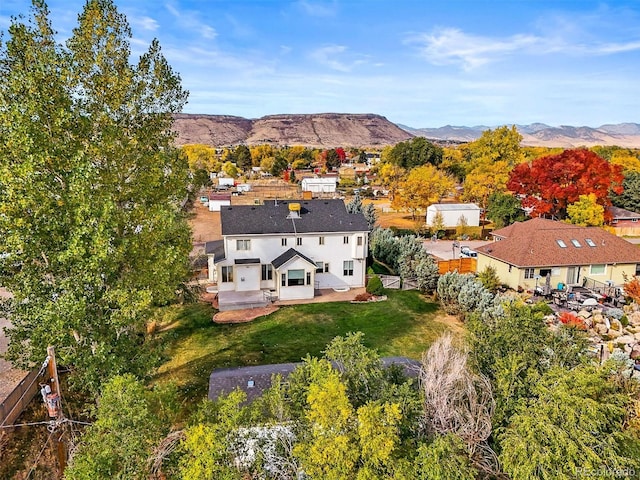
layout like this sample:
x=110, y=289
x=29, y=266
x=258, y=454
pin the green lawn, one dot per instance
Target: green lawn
x=193, y=345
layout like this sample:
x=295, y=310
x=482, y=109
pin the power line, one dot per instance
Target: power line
x=35, y=463
x=24, y=424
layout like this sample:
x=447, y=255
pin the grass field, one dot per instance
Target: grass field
x=193, y=345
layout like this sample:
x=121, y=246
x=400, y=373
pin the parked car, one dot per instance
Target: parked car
x=466, y=252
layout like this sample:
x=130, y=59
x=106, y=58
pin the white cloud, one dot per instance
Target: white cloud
x=337, y=58
x=144, y=22
x=452, y=46
x=317, y=9
x=190, y=20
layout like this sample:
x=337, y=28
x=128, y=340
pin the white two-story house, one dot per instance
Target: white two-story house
x=287, y=250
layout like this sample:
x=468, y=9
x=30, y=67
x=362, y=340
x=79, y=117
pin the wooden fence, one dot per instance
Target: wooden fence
x=390, y=281
x=461, y=265
x=13, y=405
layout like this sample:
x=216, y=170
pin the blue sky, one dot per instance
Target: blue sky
x=423, y=63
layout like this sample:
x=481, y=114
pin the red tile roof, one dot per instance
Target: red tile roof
x=537, y=243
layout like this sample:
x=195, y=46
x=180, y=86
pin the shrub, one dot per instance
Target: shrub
x=624, y=321
x=571, y=320
x=363, y=297
x=374, y=286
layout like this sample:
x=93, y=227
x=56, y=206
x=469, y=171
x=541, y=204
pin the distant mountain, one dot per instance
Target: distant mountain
x=369, y=130
x=314, y=130
x=539, y=134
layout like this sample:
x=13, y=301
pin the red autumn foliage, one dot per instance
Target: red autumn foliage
x=572, y=320
x=632, y=288
x=341, y=154
x=549, y=184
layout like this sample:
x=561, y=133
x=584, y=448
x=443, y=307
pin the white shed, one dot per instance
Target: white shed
x=217, y=200
x=452, y=213
x=319, y=184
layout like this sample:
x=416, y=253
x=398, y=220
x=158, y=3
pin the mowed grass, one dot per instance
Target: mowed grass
x=406, y=324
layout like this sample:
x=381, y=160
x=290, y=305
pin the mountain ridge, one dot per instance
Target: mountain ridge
x=372, y=130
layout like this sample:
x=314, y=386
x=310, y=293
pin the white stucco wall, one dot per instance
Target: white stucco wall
x=334, y=252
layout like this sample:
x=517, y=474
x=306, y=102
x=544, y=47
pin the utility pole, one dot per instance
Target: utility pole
x=54, y=405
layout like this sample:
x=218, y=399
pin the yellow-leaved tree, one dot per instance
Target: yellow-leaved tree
x=485, y=180
x=424, y=185
x=586, y=212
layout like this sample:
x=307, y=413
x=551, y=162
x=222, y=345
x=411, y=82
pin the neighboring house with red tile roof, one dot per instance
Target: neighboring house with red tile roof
x=624, y=222
x=526, y=253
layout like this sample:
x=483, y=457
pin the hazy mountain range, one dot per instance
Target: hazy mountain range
x=370, y=130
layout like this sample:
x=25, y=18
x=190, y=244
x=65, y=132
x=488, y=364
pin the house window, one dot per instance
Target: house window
x=638, y=270
x=320, y=240
x=597, y=269
x=243, y=244
x=529, y=273
x=308, y=278
x=296, y=277
x=227, y=274
x=326, y=268
x=615, y=220
x=347, y=268
x=561, y=243
x=359, y=240
x=267, y=272
x=284, y=280
x=345, y=239
x=576, y=243
x=283, y=242
x=299, y=241
x=319, y=267
x=590, y=242
x=544, y=272
x=634, y=220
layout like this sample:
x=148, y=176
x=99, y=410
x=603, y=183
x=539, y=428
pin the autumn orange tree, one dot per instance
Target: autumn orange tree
x=548, y=185
x=632, y=288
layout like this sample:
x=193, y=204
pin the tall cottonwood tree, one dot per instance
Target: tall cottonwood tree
x=91, y=189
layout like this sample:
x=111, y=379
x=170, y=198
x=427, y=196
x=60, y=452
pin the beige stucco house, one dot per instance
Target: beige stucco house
x=541, y=251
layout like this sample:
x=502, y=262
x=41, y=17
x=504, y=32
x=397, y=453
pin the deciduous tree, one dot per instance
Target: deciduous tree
x=504, y=209
x=92, y=187
x=549, y=184
x=424, y=185
x=415, y=152
x=586, y=212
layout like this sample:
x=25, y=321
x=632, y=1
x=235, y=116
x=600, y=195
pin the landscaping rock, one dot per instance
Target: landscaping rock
x=614, y=333
x=635, y=352
x=598, y=318
x=626, y=339
x=600, y=328
x=637, y=336
x=634, y=318
x=584, y=314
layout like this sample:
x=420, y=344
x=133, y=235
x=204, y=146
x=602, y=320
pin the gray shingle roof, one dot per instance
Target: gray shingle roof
x=288, y=255
x=622, y=214
x=316, y=216
x=215, y=248
x=254, y=380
